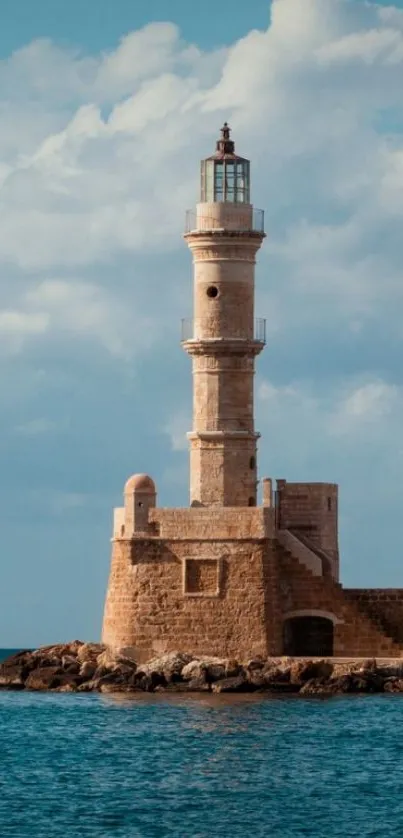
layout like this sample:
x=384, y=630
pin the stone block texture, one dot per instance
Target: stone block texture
x=226, y=582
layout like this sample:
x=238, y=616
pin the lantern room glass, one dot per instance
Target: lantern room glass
x=225, y=180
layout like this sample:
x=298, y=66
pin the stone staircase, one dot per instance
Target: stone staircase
x=390, y=623
x=356, y=633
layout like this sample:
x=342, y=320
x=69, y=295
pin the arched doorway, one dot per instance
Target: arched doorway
x=309, y=636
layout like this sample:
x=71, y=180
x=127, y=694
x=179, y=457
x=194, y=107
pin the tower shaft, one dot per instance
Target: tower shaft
x=223, y=343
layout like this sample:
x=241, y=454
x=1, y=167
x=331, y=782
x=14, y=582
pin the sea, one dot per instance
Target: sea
x=245, y=766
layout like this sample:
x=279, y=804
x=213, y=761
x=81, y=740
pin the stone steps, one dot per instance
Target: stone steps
x=358, y=633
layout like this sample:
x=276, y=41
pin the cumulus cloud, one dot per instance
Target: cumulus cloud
x=98, y=163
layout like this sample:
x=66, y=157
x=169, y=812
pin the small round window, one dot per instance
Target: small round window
x=212, y=291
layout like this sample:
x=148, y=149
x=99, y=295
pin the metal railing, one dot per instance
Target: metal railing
x=234, y=224
x=206, y=329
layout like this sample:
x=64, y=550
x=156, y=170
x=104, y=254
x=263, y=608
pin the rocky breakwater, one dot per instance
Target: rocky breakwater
x=86, y=667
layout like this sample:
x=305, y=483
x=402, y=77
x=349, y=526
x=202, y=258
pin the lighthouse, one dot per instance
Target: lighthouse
x=223, y=339
x=228, y=575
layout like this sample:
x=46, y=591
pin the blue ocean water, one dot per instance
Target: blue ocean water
x=155, y=766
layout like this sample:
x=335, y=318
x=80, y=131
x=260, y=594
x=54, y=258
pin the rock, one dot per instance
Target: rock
x=100, y=672
x=393, y=685
x=169, y=665
x=90, y=652
x=148, y=681
x=57, y=651
x=44, y=678
x=23, y=658
x=193, y=669
x=276, y=674
x=70, y=663
x=256, y=679
x=87, y=670
x=318, y=686
x=88, y=686
x=13, y=677
x=255, y=664
x=341, y=669
x=391, y=670
x=302, y=671
x=215, y=672
x=109, y=659
x=368, y=665
x=198, y=684
x=230, y=685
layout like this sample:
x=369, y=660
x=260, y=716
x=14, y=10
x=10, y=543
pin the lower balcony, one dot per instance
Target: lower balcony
x=203, y=329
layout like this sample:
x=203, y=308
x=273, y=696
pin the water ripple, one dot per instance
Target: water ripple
x=109, y=767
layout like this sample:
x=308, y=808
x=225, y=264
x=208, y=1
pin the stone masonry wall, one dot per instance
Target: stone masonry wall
x=382, y=604
x=212, y=598
x=311, y=510
x=302, y=594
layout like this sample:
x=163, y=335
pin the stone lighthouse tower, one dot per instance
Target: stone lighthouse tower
x=227, y=575
x=224, y=235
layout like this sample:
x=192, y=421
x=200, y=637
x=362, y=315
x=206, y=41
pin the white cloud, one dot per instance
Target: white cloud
x=176, y=428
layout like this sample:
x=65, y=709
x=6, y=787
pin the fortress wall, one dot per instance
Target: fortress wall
x=210, y=523
x=204, y=597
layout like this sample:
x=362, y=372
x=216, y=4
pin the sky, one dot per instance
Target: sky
x=105, y=114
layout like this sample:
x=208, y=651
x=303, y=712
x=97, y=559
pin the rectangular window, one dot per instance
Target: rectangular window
x=201, y=577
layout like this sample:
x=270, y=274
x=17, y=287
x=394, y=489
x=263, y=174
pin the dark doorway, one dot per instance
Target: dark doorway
x=308, y=637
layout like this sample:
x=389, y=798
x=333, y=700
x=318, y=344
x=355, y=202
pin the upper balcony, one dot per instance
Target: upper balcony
x=228, y=219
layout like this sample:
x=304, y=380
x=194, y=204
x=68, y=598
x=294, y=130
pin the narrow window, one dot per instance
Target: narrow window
x=252, y=463
x=329, y=504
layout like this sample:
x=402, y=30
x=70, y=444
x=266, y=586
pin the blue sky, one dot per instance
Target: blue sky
x=104, y=115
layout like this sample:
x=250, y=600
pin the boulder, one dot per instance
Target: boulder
x=90, y=652
x=44, y=678
x=66, y=682
x=393, y=685
x=109, y=659
x=306, y=670
x=256, y=679
x=65, y=688
x=23, y=658
x=58, y=650
x=255, y=664
x=70, y=663
x=148, y=681
x=88, y=686
x=169, y=665
x=193, y=669
x=13, y=677
x=198, y=684
x=276, y=674
x=230, y=685
x=318, y=686
x=87, y=670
